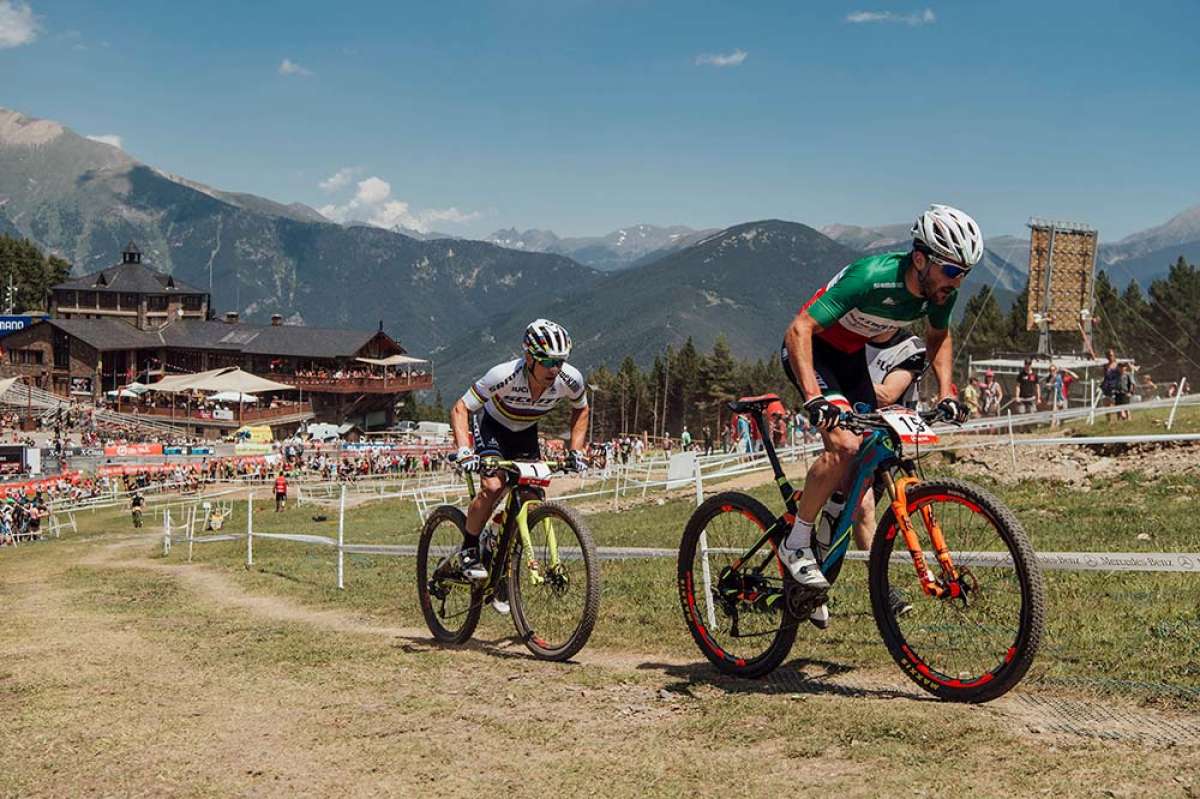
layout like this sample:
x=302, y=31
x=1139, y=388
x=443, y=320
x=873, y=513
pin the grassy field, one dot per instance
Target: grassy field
x=123, y=672
x=1137, y=634
x=127, y=678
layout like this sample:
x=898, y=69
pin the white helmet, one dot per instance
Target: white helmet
x=950, y=234
x=546, y=339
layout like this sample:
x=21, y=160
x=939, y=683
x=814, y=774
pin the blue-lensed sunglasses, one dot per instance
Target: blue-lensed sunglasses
x=949, y=268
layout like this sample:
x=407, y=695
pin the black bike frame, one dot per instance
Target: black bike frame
x=877, y=452
x=518, y=495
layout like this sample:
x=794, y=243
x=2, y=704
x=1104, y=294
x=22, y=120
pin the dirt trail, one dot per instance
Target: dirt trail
x=228, y=692
x=1043, y=714
x=219, y=589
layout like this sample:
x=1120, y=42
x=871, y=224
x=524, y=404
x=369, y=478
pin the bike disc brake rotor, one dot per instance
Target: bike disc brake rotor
x=738, y=591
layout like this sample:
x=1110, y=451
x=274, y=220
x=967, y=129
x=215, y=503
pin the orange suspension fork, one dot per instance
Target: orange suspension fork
x=898, y=490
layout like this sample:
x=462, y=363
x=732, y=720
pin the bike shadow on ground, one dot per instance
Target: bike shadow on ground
x=798, y=676
x=508, y=647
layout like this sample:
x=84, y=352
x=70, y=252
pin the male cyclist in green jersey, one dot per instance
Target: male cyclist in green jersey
x=824, y=353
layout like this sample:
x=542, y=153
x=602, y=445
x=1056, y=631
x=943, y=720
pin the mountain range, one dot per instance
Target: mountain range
x=82, y=200
x=464, y=302
x=629, y=246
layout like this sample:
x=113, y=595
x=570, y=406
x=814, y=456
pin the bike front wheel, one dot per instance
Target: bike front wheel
x=450, y=603
x=735, y=608
x=977, y=646
x=554, y=587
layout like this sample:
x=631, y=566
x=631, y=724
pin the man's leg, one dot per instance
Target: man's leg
x=827, y=473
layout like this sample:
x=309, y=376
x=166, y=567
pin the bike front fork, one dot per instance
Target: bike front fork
x=949, y=585
x=536, y=571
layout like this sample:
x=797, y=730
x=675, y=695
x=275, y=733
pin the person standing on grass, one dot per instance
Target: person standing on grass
x=1029, y=394
x=993, y=394
x=971, y=396
x=1112, y=376
x=280, y=492
x=1124, y=388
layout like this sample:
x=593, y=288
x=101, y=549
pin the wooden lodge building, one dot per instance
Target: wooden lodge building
x=130, y=322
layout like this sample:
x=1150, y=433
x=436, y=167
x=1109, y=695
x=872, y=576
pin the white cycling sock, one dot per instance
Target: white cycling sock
x=800, y=537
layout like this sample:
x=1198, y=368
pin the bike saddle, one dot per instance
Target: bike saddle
x=751, y=404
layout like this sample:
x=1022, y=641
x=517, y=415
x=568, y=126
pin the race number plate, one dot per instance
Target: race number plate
x=909, y=426
x=533, y=474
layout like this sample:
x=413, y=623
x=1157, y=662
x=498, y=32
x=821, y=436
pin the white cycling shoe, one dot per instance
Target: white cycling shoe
x=803, y=566
x=820, y=617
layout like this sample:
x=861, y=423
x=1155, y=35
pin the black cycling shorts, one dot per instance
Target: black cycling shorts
x=493, y=438
x=844, y=377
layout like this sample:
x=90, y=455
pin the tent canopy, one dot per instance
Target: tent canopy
x=1040, y=362
x=6, y=384
x=125, y=393
x=392, y=360
x=231, y=378
x=233, y=396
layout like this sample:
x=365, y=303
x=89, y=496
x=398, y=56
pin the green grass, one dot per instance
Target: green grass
x=1144, y=422
x=1104, y=627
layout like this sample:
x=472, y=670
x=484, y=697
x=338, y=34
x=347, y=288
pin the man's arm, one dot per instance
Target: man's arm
x=579, y=425
x=892, y=389
x=940, y=351
x=798, y=341
x=459, y=416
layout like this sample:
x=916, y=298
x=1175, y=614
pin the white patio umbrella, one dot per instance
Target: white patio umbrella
x=233, y=396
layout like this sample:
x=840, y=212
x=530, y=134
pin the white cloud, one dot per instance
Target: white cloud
x=733, y=59
x=290, y=67
x=18, y=25
x=373, y=203
x=108, y=138
x=925, y=17
x=340, y=179
x=372, y=191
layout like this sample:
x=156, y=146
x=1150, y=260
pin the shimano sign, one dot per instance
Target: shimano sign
x=11, y=324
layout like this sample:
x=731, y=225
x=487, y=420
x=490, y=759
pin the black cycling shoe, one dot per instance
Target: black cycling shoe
x=472, y=567
x=898, y=604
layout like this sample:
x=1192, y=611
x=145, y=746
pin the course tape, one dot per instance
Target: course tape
x=1182, y=562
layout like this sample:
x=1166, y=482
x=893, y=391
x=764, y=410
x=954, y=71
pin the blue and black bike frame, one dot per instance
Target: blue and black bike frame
x=875, y=453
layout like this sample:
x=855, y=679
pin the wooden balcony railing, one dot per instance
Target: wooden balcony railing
x=222, y=417
x=357, y=385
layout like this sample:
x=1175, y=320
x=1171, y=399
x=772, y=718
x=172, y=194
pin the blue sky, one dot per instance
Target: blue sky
x=582, y=116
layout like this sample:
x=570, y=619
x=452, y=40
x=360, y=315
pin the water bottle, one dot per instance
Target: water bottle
x=827, y=520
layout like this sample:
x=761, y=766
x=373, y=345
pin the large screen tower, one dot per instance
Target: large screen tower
x=1062, y=264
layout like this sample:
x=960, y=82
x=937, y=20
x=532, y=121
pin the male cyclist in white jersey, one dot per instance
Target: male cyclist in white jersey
x=500, y=412
x=824, y=353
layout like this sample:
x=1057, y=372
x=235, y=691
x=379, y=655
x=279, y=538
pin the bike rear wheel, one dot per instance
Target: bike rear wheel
x=736, y=612
x=555, y=598
x=450, y=603
x=964, y=651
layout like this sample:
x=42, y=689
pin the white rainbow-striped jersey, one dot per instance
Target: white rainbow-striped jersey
x=503, y=393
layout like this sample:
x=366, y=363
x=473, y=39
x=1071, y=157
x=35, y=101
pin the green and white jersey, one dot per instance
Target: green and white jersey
x=867, y=299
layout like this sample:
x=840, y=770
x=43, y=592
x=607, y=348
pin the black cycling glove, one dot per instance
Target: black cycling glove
x=822, y=414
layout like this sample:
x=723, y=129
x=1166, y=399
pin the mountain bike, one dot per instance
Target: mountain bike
x=975, y=624
x=543, y=563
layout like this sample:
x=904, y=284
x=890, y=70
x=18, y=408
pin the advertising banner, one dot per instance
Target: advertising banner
x=125, y=450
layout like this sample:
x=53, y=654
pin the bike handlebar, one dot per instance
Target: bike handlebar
x=494, y=463
x=859, y=422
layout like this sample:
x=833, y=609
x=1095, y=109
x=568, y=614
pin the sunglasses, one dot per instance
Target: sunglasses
x=949, y=268
x=550, y=363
